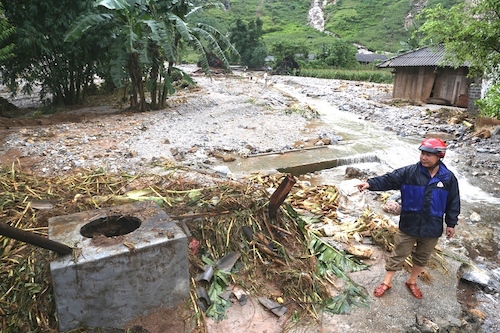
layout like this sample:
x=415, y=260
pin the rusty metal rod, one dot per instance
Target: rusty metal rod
x=33, y=239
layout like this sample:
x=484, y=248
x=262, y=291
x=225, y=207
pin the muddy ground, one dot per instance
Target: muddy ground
x=230, y=116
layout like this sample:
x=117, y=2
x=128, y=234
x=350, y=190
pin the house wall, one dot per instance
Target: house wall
x=413, y=83
x=452, y=85
x=428, y=84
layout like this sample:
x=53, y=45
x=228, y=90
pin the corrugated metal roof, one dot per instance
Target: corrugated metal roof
x=426, y=56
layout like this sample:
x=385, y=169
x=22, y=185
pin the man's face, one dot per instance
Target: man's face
x=428, y=160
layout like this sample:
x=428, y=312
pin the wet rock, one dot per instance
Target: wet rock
x=435, y=325
x=319, y=143
x=474, y=274
x=427, y=325
x=496, y=131
x=352, y=172
x=494, y=285
x=222, y=170
x=475, y=217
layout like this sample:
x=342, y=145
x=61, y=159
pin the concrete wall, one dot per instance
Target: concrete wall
x=474, y=94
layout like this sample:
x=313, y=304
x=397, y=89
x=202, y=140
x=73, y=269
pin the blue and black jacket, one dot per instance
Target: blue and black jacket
x=424, y=200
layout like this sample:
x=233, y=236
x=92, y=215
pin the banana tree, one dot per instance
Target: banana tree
x=146, y=37
x=175, y=20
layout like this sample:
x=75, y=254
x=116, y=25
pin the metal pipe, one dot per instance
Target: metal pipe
x=33, y=239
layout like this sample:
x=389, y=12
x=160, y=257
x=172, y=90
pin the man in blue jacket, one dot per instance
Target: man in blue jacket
x=429, y=194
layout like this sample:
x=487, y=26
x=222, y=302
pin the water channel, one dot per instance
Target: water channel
x=367, y=146
x=364, y=145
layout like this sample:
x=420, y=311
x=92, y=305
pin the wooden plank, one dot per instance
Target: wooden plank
x=428, y=84
x=420, y=84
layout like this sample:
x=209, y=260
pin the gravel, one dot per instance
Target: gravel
x=229, y=117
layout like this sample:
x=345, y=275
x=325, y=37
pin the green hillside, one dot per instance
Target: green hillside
x=283, y=20
x=375, y=24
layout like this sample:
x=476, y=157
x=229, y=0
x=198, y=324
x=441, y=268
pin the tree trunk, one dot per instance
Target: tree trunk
x=155, y=77
x=164, y=92
x=138, y=100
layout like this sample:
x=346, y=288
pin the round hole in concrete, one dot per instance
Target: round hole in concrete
x=110, y=226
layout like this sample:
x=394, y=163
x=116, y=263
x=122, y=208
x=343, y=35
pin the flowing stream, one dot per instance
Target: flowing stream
x=367, y=146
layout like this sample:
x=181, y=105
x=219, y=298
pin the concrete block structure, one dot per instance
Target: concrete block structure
x=130, y=260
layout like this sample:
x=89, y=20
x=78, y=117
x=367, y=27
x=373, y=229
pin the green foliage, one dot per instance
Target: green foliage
x=286, y=55
x=377, y=24
x=489, y=105
x=339, y=54
x=352, y=295
x=465, y=37
x=62, y=70
x=146, y=36
x=329, y=257
x=284, y=49
x=221, y=281
x=6, y=30
x=247, y=39
x=377, y=76
x=131, y=25
x=333, y=261
x=283, y=21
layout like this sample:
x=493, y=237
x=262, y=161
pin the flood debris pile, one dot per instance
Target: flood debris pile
x=280, y=258
x=237, y=249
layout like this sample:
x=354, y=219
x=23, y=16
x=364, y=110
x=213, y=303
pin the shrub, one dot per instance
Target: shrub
x=377, y=76
x=489, y=105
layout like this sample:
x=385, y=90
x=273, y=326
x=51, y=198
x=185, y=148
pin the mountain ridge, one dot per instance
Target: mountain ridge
x=379, y=25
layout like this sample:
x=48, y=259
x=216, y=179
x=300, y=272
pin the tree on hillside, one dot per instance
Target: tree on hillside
x=470, y=33
x=247, y=39
x=146, y=35
x=62, y=71
x=339, y=54
x=286, y=55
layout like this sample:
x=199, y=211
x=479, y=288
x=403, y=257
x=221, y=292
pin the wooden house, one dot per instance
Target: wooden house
x=422, y=75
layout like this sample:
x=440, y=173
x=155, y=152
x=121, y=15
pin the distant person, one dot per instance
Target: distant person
x=429, y=195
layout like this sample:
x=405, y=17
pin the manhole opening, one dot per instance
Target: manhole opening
x=110, y=226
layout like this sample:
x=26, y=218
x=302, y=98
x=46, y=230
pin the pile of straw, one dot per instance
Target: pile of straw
x=282, y=258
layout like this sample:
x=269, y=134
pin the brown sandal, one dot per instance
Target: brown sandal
x=380, y=290
x=414, y=290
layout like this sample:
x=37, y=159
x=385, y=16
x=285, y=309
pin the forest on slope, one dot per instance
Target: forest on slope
x=379, y=25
